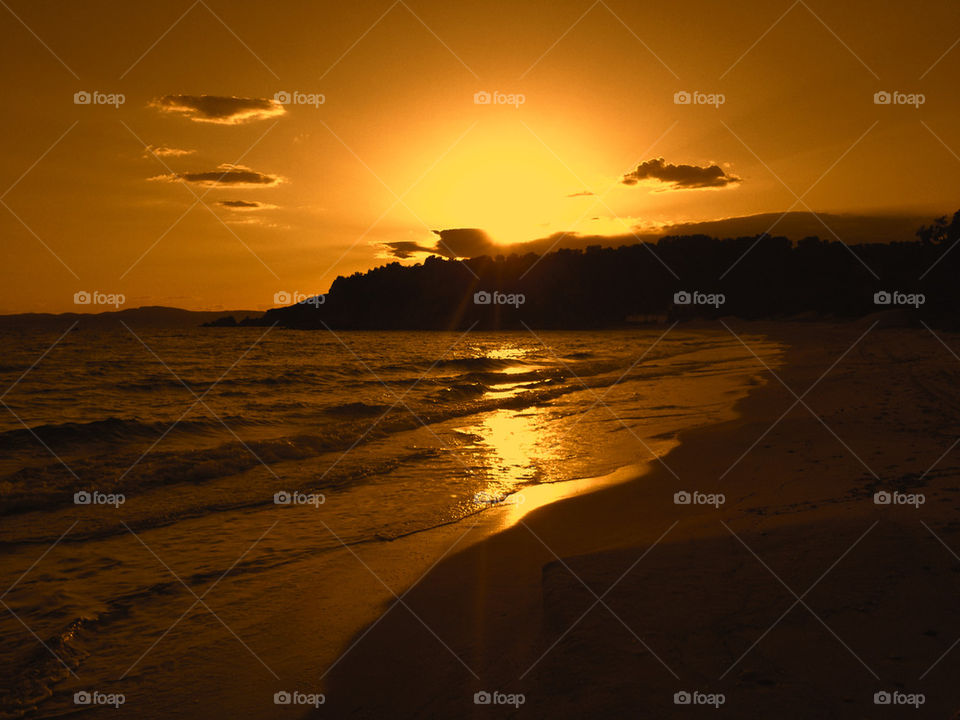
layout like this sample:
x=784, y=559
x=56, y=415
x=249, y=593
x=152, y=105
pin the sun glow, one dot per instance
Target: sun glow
x=510, y=183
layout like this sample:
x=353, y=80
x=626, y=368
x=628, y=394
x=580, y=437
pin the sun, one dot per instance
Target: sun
x=510, y=183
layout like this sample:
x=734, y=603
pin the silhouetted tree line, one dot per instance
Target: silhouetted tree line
x=758, y=277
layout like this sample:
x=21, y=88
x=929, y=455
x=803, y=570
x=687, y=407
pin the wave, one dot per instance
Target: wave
x=44, y=486
x=459, y=391
x=310, y=429
x=40, y=671
x=479, y=363
x=111, y=429
x=357, y=409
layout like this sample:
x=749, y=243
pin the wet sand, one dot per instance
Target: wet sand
x=798, y=597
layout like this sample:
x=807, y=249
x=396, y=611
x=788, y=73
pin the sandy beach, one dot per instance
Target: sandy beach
x=798, y=596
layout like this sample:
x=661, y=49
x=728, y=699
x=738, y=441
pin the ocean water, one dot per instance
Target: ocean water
x=138, y=467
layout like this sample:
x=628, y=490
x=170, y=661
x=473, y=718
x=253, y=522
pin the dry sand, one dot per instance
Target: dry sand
x=798, y=598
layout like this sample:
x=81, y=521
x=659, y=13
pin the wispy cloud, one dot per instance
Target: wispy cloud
x=679, y=177
x=227, y=174
x=166, y=151
x=218, y=109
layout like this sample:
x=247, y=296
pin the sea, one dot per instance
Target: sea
x=186, y=511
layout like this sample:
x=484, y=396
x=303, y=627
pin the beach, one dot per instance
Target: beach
x=800, y=595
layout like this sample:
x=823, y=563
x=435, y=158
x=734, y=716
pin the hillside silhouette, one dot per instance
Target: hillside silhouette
x=759, y=277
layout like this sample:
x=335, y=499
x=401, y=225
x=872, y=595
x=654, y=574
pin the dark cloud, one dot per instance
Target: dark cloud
x=452, y=243
x=464, y=242
x=239, y=203
x=584, y=193
x=679, y=177
x=219, y=109
x=404, y=249
x=226, y=174
x=245, y=205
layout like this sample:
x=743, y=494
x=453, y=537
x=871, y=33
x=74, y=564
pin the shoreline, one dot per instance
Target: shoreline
x=493, y=616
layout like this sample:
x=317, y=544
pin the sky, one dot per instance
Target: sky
x=231, y=151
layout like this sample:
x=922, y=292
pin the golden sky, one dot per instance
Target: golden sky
x=204, y=188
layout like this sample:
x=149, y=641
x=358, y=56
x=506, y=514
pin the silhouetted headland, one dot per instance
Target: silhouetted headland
x=675, y=278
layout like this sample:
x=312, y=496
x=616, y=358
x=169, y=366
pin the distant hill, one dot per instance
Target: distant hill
x=141, y=317
x=852, y=229
x=678, y=277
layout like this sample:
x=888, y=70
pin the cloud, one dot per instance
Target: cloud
x=679, y=177
x=219, y=109
x=404, y=249
x=226, y=174
x=464, y=242
x=452, y=243
x=582, y=193
x=245, y=205
x=166, y=151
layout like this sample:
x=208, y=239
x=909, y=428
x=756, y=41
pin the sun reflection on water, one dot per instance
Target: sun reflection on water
x=523, y=456
x=513, y=438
